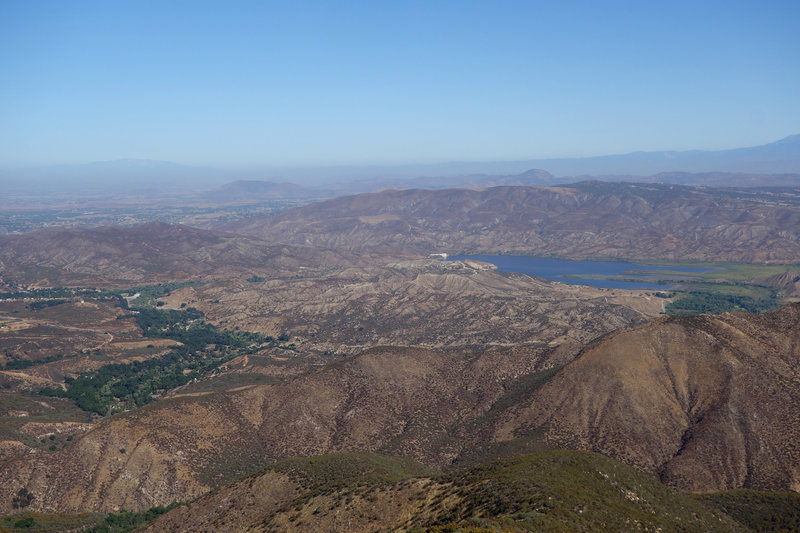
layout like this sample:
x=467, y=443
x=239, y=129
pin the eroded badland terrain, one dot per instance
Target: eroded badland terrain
x=315, y=370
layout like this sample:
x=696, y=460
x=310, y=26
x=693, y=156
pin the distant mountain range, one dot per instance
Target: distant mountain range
x=780, y=157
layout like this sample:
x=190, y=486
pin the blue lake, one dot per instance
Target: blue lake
x=559, y=269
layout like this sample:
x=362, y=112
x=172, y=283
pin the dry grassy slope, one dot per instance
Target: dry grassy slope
x=708, y=402
x=404, y=401
x=554, y=491
x=590, y=219
x=170, y=451
x=148, y=253
x=423, y=303
x=410, y=402
x=67, y=329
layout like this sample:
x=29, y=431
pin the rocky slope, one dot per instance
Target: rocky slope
x=403, y=401
x=419, y=303
x=706, y=402
x=590, y=219
x=788, y=283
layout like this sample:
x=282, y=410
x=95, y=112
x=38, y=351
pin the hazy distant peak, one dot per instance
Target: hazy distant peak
x=791, y=139
x=536, y=173
x=136, y=163
x=254, y=190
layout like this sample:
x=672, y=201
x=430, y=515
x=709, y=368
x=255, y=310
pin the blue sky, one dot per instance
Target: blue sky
x=318, y=83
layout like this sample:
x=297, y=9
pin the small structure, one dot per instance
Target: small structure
x=438, y=256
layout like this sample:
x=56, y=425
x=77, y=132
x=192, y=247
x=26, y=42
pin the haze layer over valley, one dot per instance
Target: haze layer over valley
x=512, y=266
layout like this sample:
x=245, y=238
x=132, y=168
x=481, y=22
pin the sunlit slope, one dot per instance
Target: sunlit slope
x=706, y=402
x=589, y=219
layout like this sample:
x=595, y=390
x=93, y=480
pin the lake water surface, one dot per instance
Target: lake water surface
x=560, y=269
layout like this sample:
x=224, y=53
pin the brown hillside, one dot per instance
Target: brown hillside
x=419, y=303
x=788, y=283
x=705, y=402
x=403, y=401
x=148, y=253
x=708, y=402
x=590, y=219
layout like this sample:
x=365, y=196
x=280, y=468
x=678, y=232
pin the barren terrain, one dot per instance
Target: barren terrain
x=586, y=220
x=419, y=303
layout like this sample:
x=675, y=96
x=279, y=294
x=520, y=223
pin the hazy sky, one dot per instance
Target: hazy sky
x=391, y=82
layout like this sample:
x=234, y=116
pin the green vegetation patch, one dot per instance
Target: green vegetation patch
x=727, y=271
x=204, y=348
x=49, y=293
x=571, y=491
x=41, y=304
x=47, y=522
x=121, y=522
x=188, y=327
x=15, y=363
x=148, y=294
x=723, y=298
x=758, y=510
x=126, y=521
x=330, y=472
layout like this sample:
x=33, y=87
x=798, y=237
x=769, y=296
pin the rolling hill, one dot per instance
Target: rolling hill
x=590, y=219
x=147, y=253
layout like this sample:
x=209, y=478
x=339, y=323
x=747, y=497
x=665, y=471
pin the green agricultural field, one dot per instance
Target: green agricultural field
x=722, y=271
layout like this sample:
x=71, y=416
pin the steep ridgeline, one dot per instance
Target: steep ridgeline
x=706, y=402
x=147, y=253
x=590, y=219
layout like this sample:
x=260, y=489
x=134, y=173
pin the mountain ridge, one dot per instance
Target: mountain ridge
x=705, y=403
x=585, y=220
x=781, y=156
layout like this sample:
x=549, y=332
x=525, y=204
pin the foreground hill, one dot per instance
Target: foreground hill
x=706, y=403
x=403, y=401
x=552, y=491
x=590, y=219
x=147, y=253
